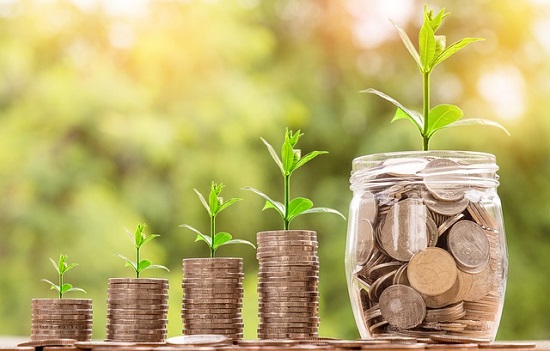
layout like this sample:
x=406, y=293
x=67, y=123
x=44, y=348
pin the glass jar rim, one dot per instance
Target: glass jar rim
x=473, y=156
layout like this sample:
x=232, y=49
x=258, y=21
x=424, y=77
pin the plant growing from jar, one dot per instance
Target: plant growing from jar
x=425, y=232
x=139, y=238
x=432, y=50
x=62, y=267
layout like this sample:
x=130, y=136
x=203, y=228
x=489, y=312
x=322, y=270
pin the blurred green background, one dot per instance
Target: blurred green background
x=112, y=112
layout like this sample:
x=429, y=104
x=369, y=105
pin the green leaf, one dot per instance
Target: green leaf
x=55, y=266
x=408, y=44
x=149, y=238
x=200, y=236
x=453, y=48
x=129, y=263
x=279, y=207
x=154, y=266
x=324, y=210
x=143, y=264
x=435, y=22
x=66, y=287
x=76, y=289
x=220, y=239
x=427, y=47
x=203, y=201
x=412, y=115
x=310, y=156
x=288, y=156
x=228, y=203
x=297, y=206
x=238, y=241
x=441, y=116
x=214, y=200
x=138, y=235
x=53, y=286
x=274, y=155
x=440, y=44
x=478, y=121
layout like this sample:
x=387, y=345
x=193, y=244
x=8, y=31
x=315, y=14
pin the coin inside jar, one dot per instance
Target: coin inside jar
x=432, y=271
x=469, y=246
x=404, y=232
x=402, y=306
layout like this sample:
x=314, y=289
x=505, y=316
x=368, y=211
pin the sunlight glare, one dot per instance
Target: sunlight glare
x=504, y=88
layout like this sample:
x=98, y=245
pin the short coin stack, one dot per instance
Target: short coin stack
x=61, y=318
x=137, y=309
x=212, y=296
x=288, y=280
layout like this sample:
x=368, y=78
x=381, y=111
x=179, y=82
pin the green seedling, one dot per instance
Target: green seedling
x=62, y=267
x=214, y=206
x=139, y=239
x=432, y=51
x=288, y=163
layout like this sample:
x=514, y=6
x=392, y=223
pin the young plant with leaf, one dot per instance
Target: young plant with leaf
x=139, y=238
x=214, y=206
x=62, y=267
x=290, y=160
x=432, y=51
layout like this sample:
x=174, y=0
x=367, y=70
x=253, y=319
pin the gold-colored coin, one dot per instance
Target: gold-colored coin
x=432, y=271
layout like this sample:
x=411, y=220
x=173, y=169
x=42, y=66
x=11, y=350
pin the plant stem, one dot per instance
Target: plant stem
x=425, y=107
x=137, y=262
x=286, y=200
x=60, y=285
x=212, y=235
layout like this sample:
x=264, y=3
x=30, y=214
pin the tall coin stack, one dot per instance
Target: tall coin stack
x=137, y=309
x=288, y=280
x=212, y=296
x=61, y=319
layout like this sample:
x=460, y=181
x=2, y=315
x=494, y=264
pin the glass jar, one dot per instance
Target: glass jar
x=426, y=251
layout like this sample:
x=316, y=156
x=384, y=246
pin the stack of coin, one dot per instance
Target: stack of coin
x=288, y=279
x=212, y=296
x=137, y=309
x=61, y=319
x=426, y=230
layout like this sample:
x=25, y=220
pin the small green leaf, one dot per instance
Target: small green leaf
x=427, y=47
x=435, y=22
x=129, y=263
x=440, y=44
x=76, y=289
x=288, y=156
x=408, y=44
x=310, y=156
x=55, y=265
x=478, y=121
x=203, y=201
x=453, y=48
x=155, y=266
x=228, y=203
x=274, y=155
x=66, y=287
x=413, y=116
x=200, y=236
x=52, y=285
x=324, y=210
x=138, y=235
x=143, y=264
x=214, y=200
x=279, y=207
x=297, y=206
x=400, y=114
x=441, y=116
x=238, y=241
x=220, y=239
x=149, y=238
